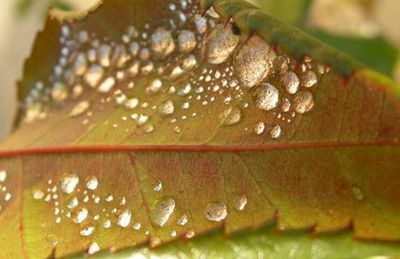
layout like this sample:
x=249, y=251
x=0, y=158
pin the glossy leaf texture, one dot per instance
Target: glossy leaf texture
x=144, y=122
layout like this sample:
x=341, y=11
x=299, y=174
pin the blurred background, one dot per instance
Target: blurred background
x=367, y=30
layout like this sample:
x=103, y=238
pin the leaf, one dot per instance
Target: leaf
x=230, y=161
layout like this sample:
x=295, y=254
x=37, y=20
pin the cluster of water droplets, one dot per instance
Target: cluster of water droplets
x=5, y=195
x=189, y=67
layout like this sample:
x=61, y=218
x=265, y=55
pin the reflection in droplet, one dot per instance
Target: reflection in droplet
x=303, y=102
x=93, y=248
x=240, y=202
x=124, y=219
x=69, y=182
x=215, y=211
x=259, y=128
x=186, y=41
x=157, y=186
x=276, y=132
x=162, y=210
x=92, y=183
x=268, y=97
x=291, y=82
x=162, y=43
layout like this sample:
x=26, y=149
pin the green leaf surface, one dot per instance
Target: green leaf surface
x=138, y=157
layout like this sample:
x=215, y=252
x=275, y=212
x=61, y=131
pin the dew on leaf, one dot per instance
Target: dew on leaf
x=37, y=194
x=137, y=226
x=104, y=55
x=3, y=176
x=131, y=103
x=166, y=108
x=303, y=102
x=157, y=186
x=231, y=116
x=186, y=41
x=281, y=64
x=93, y=75
x=69, y=182
x=357, y=193
x=189, y=62
x=290, y=81
x=285, y=105
x=81, y=216
x=59, y=92
x=154, y=87
x=253, y=62
x=87, y=231
x=80, y=64
x=185, y=89
x=92, y=183
x=182, y=220
x=162, y=210
x=107, y=85
x=276, y=132
x=124, y=219
x=201, y=23
x=79, y=109
x=268, y=97
x=215, y=211
x=240, y=202
x=93, y=248
x=73, y=203
x=107, y=224
x=221, y=43
x=162, y=43
x=7, y=197
x=259, y=128
x=309, y=79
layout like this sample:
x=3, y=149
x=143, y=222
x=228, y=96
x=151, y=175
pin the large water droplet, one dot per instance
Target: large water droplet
x=290, y=81
x=107, y=85
x=220, y=44
x=59, y=92
x=69, y=182
x=124, y=219
x=93, y=248
x=259, y=128
x=162, y=43
x=215, y=211
x=303, y=102
x=268, y=97
x=240, y=202
x=253, y=62
x=276, y=132
x=162, y=210
x=3, y=176
x=186, y=41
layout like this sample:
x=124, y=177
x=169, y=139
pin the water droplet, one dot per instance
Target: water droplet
x=166, y=108
x=69, y=182
x=137, y=226
x=59, y=92
x=93, y=75
x=240, y=202
x=309, y=79
x=107, y=85
x=231, y=116
x=253, y=62
x=281, y=64
x=92, y=183
x=173, y=233
x=107, y=224
x=291, y=82
x=186, y=41
x=221, y=43
x=157, y=186
x=182, y=220
x=276, y=132
x=190, y=234
x=201, y=24
x=7, y=197
x=357, y=193
x=80, y=64
x=259, y=128
x=162, y=43
x=185, y=90
x=93, y=248
x=303, y=102
x=189, y=62
x=87, y=231
x=268, y=97
x=73, y=203
x=124, y=219
x=285, y=105
x=154, y=87
x=215, y=211
x=162, y=210
x=104, y=55
x=81, y=216
x=3, y=176
x=37, y=194
x=131, y=103
x=79, y=109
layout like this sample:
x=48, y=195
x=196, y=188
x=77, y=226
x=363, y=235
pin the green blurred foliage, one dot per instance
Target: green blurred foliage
x=24, y=6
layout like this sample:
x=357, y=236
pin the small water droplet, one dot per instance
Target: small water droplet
x=8, y=196
x=201, y=24
x=79, y=109
x=81, y=216
x=154, y=87
x=281, y=64
x=240, y=202
x=166, y=108
x=80, y=64
x=185, y=90
x=221, y=43
x=69, y=182
x=93, y=248
x=107, y=223
x=357, y=193
x=309, y=79
x=37, y=194
x=162, y=43
x=303, y=102
x=107, y=85
x=157, y=186
x=93, y=75
x=215, y=211
x=190, y=234
x=186, y=41
x=259, y=128
x=276, y=132
x=268, y=97
x=3, y=176
x=285, y=105
x=104, y=55
x=162, y=210
x=73, y=203
x=189, y=62
x=87, y=231
x=182, y=220
x=290, y=81
x=137, y=226
x=231, y=116
x=92, y=183
x=59, y=92
x=124, y=219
